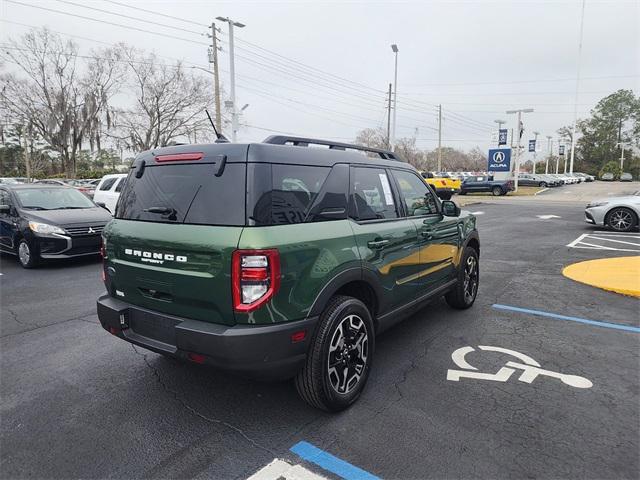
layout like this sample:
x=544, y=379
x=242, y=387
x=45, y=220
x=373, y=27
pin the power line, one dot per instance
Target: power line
x=156, y=13
x=106, y=22
x=550, y=80
x=130, y=17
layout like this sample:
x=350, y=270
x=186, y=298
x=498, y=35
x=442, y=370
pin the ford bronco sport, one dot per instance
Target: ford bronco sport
x=280, y=259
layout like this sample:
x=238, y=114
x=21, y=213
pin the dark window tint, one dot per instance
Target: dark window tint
x=108, y=183
x=371, y=194
x=120, y=185
x=418, y=199
x=285, y=194
x=185, y=194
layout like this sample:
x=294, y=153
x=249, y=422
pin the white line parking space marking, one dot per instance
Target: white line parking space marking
x=530, y=369
x=476, y=213
x=547, y=217
x=279, y=469
x=617, y=242
x=540, y=191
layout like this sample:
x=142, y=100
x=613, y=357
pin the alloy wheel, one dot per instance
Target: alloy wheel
x=24, y=253
x=621, y=220
x=470, y=284
x=348, y=354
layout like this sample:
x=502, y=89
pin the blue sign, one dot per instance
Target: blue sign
x=532, y=145
x=502, y=136
x=499, y=160
x=561, y=150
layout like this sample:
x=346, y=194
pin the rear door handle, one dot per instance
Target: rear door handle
x=427, y=232
x=377, y=243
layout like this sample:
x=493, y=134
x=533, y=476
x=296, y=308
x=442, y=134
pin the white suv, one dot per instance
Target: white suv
x=108, y=191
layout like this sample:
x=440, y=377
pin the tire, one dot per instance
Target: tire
x=542, y=185
x=497, y=191
x=621, y=219
x=318, y=383
x=27, y=254
x=466, y=290
x=445, y=195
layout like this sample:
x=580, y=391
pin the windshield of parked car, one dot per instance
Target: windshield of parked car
x=52, y=199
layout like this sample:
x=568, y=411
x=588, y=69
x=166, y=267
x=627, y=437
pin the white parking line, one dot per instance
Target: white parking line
x=279, y=469
x=607, y=241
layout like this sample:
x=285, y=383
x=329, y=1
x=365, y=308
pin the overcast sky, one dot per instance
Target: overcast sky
x=334, y=63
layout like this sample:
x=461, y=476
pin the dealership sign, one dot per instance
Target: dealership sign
x=499, y=160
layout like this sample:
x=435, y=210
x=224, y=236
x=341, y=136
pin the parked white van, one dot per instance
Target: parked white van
x=108, y=191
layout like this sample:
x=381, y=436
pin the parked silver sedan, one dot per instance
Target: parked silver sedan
x=618, y=213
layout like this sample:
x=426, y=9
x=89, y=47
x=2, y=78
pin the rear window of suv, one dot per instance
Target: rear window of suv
x=185, y=193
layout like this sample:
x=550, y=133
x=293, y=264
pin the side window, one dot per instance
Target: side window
x=295, y=187
x=107, y=184
x=5, y=198
x=417, y=197
x=120, y=184
x=371, y=195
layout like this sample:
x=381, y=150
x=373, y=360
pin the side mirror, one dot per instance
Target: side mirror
x=450, y=209
x=5, y=208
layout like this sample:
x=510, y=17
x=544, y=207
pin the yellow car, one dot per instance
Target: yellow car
x=445, y=187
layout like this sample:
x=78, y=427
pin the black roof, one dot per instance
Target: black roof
x=284, y=149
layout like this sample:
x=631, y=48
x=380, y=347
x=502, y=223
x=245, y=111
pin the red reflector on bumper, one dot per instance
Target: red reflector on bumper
x=196, y=357
x=298, y=336
x=114, y=331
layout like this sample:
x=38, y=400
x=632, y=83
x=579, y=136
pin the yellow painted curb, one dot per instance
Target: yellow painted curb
x=619, y=274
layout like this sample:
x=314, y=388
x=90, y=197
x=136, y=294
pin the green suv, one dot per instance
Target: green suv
x=281, y=259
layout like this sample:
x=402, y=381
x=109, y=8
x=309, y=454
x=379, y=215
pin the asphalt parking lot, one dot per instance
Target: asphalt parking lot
x=77, y=402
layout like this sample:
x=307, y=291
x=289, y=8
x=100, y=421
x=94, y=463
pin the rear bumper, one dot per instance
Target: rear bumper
x=265, y=352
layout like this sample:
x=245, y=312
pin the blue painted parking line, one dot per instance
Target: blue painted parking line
x=597, y=323
x=325, y=460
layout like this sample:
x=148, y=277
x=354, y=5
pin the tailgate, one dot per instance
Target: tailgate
x=178, y=269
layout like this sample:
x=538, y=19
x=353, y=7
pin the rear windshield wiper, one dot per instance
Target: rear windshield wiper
x=161, y=210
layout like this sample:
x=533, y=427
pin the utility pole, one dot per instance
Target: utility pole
x=546, y=165
x=213, y=58
x=232, y=73
x=575, y=105
x=519, y=132
x=389, y=120
x=535, y=150
x=621, y=145
x=394, y=48
x=27, y=153
x=558, y=157
x=440, y=138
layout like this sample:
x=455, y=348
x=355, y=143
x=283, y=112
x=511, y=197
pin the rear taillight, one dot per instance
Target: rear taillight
x=255, y=278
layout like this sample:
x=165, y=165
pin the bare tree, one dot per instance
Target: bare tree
x=52, y=95
x=169, y=103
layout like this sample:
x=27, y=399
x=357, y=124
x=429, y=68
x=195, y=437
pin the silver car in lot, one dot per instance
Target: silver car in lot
x=618, y=213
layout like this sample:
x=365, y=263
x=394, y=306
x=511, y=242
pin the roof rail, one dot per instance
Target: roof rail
x=305, y=142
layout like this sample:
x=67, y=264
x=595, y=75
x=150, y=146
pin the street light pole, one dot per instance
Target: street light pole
x=232, y=73
x=519, y=132
x=575, y=105
x=394, y=48
x=546, y=164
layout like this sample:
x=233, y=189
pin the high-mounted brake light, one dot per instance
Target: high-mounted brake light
x=180, y=157
x=255, y=278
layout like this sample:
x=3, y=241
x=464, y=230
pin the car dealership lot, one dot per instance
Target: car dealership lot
x=77, y=402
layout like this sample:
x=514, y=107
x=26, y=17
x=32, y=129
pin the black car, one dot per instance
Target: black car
x=45, y=221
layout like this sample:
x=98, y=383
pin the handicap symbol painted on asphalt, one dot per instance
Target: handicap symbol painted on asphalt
x=498, y=157
x=530, y=369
